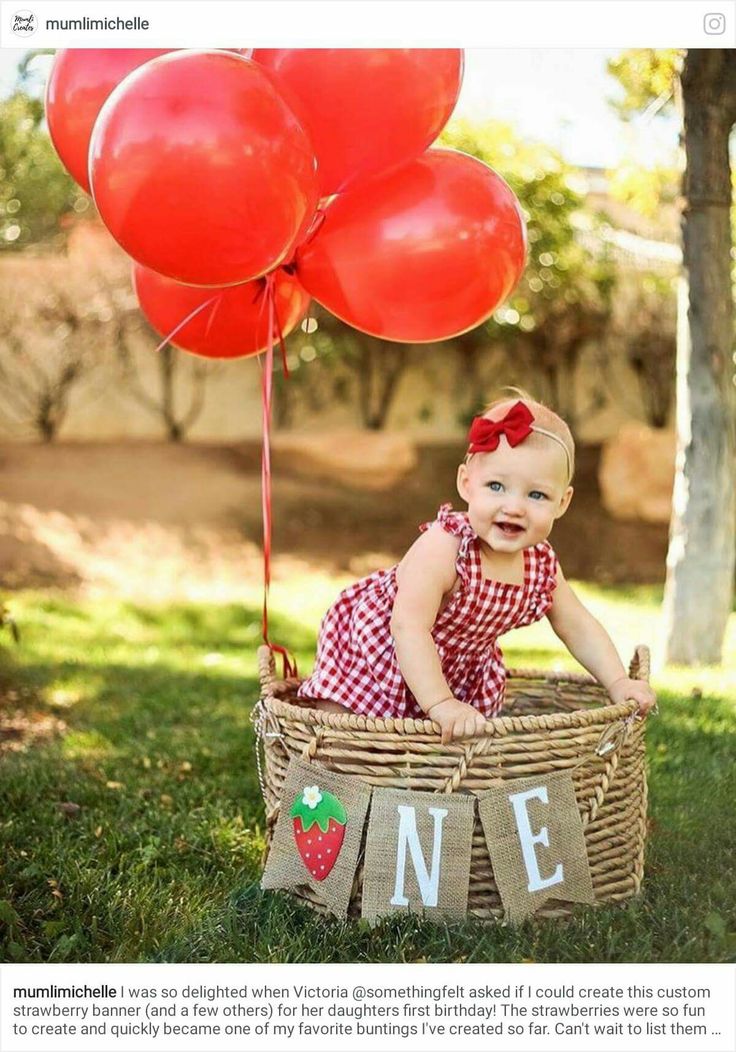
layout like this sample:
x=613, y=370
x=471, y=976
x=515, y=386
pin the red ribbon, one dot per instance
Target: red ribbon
x=192, y=314
x=268, y=291
x=274, y=329
x=485, y=434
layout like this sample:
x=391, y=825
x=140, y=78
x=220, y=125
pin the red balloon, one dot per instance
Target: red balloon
x=421, y=254
x=200, y=170
x=79, y=83
x=234, y=325
x=367, y=109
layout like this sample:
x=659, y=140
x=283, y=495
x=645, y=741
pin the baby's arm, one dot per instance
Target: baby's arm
x=588, y=641
x=424, y=577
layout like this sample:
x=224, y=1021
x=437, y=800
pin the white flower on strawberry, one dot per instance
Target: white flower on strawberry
x=311, y=796
x=319, y=821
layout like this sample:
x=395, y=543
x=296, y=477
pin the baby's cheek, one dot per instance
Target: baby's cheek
x=545, y=519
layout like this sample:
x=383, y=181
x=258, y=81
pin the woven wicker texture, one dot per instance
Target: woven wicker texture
x=552, y=722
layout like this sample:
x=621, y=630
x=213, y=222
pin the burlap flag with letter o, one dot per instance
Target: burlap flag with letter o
x=318, y=833
x=417, y=854
x=535, y=839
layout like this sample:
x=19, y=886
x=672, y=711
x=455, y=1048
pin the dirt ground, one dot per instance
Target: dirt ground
x=162, y=521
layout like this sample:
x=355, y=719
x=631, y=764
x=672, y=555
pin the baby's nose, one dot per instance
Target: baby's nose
x=513, y=505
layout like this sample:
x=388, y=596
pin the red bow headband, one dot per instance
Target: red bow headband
x=517, y=425
x=486, y=434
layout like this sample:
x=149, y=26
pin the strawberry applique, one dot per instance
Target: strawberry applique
x=319, y=828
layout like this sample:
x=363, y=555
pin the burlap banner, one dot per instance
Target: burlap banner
x=417, y=853
x=535, y=839
x=318, y=833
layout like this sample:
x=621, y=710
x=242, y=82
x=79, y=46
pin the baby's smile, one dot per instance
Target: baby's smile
x=510, y=529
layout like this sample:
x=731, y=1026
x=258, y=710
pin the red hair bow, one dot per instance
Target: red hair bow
x=485, y=434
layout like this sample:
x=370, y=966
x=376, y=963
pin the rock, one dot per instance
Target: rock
x=637, y=472
x=367, y=460
x=69, y=809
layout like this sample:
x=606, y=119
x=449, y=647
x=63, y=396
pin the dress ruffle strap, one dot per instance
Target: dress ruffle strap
x=544, y=579
x=454, y=522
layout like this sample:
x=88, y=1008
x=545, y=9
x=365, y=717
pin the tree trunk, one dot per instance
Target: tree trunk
x=380, y=367
x=700, y=561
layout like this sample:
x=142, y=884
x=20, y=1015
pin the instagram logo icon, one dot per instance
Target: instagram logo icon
x=714, y=23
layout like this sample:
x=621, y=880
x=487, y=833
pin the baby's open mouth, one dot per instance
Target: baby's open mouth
x=511, y=529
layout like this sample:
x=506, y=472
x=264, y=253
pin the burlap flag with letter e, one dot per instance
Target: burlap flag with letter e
x=535, y=839
x=318, y=833
x=417, y=854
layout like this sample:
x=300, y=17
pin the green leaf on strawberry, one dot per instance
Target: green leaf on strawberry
x=320, y=846
x=317, y=805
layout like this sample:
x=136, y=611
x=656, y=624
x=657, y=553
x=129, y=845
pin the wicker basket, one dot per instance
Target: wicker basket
x=552, y=721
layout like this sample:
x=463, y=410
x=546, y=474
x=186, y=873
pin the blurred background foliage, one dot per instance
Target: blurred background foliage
x=567, y=306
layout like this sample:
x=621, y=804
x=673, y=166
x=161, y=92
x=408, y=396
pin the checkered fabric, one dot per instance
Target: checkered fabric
x=356, y=662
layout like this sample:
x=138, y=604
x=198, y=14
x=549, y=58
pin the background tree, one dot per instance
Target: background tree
x=564, y=298
x=332, y=361
x=700, y=563
x=562, y=303
x=178, y=396
x=648, y=77
x=35, y=190
x=46, y=348
x=642, y=331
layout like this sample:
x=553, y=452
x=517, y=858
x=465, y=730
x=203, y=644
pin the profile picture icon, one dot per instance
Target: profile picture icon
x=24, y=23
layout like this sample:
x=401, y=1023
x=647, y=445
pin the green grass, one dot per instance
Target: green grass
x=162, y=861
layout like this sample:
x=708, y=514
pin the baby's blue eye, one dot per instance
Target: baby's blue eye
x=536, y=494
x=495, y=486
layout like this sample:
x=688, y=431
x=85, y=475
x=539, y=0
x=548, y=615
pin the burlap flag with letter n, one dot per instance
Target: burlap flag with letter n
x=417, y=854
x=318, y=833
x=535, y=839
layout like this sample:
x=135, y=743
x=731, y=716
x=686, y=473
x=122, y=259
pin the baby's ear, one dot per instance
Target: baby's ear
x=564, y=502
x=462, y=481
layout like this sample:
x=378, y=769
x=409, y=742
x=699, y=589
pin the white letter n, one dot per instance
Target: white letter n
x=428, y=882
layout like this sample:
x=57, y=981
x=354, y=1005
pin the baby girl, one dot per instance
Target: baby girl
x=421, y=638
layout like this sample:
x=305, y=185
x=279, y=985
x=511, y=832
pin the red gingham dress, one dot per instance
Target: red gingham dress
x=356, y=662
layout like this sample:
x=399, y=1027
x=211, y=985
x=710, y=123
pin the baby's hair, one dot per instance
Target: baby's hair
x=545, y=417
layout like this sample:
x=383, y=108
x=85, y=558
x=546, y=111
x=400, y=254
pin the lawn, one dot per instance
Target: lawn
x=134, y=832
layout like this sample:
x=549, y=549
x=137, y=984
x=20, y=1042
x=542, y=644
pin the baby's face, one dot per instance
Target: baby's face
x=514, y=494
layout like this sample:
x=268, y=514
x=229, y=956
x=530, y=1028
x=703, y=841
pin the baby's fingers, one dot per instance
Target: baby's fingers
x=647, y=704
x=471, y=725
x=448, y=733
x=453, y=730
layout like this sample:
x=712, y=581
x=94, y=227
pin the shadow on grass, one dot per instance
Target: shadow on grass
x=684, y=913
x=270, y=927
x=159, y=759
x=227, y=625
x=228, y=630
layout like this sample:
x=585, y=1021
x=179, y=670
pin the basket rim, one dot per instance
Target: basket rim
x=496, y=726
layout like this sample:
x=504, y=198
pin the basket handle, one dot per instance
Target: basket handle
x=639, y=667
x=266, y=670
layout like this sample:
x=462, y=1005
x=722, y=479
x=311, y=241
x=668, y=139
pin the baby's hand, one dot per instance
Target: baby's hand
x=626, y=689
x=456, y=719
